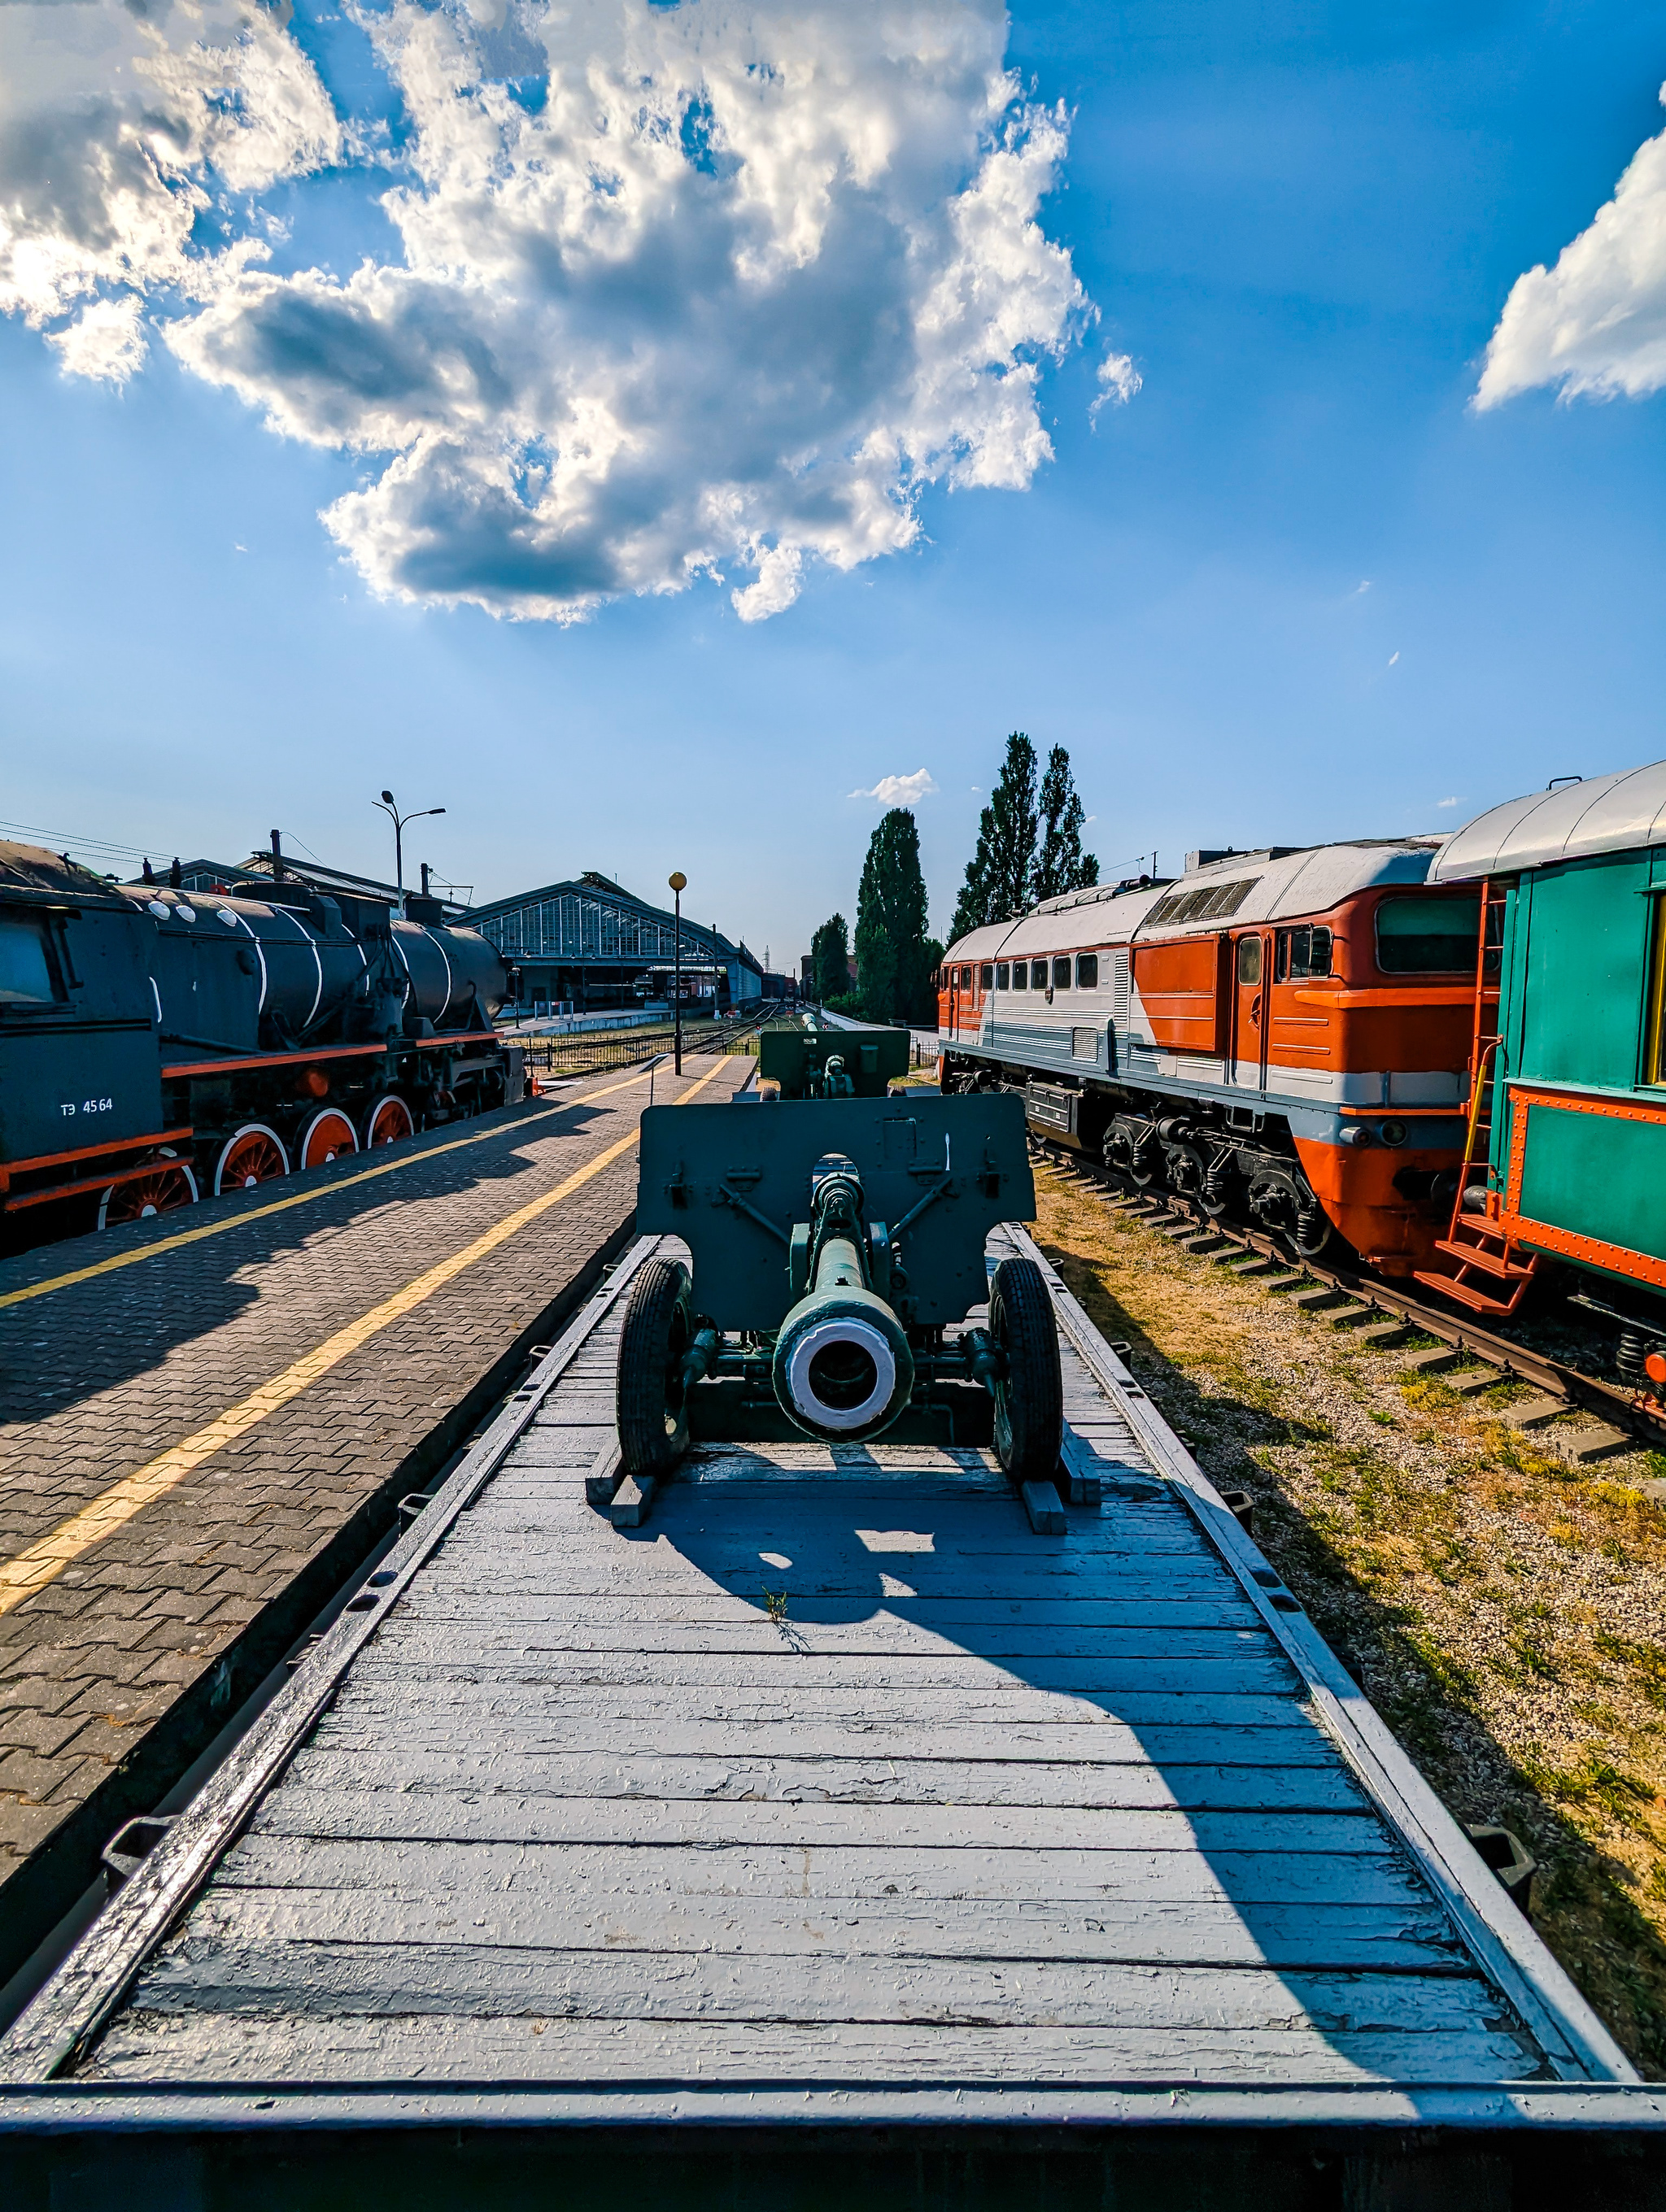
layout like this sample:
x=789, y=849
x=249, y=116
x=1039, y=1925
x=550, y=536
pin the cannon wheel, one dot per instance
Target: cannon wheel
x=653, y=1408
x=1029, y=1395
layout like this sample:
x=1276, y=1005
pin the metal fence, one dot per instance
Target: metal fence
x=591, y=1054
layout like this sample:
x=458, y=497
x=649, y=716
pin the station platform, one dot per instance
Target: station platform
x=840, y=1832
x=207, y=1418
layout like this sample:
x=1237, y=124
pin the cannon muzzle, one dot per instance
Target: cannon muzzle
x=843, y=1369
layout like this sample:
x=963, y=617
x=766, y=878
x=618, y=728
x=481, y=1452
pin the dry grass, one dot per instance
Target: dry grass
x=1502, y=1609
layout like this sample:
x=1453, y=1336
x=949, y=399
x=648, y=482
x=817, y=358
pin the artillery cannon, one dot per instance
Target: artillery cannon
x=838, y=1250
x=802, y=1063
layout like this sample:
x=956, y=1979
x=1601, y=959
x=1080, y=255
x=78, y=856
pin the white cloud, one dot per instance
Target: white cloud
x=901, y=790
x=118, y=134
x=1393, y=657
x=1449, y=802
x=1596, y=324
x=726, y=296
x=1119, y=380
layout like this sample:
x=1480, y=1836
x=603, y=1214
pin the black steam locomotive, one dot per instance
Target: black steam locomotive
x=157, y=1044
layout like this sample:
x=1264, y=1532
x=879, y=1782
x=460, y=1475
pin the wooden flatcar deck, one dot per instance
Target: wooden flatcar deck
x=832, y=1792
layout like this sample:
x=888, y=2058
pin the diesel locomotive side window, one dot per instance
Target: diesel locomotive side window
x=1301, y=953
x=1038, y=974
x=29, y=973
x=986, y=977
x=1428, y=936
x=1248, y=960
x=1061, y=974
x=1020, y=975
x=1087, y=971
x=1003, y=977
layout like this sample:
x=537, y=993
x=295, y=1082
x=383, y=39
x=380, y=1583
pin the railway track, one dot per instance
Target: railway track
x=1354, y=1297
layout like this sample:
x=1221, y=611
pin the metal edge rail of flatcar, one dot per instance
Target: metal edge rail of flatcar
x=1518, y=1362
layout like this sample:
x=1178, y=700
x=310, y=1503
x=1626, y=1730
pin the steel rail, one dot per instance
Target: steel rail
x=1519, y=1362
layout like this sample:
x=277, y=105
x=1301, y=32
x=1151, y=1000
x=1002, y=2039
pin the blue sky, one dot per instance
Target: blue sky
x=1296, y=587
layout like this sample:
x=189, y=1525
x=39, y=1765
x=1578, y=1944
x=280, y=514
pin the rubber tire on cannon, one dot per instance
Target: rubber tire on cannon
x=1030, y=1395
x=653, y=1400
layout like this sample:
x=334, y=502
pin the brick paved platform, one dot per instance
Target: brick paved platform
x=198, y=1441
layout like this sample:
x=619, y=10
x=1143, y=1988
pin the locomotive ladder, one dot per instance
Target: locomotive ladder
x=1481, y=1271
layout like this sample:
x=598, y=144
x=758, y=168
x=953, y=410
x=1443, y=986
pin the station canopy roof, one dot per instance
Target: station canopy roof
x=590, y=917
x=1602, y=814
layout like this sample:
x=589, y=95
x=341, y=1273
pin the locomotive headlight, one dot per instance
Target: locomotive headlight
x=1393, y=1133
x=1356, y=1135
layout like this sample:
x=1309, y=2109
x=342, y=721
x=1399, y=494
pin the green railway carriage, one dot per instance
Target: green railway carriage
x=1569, y=1151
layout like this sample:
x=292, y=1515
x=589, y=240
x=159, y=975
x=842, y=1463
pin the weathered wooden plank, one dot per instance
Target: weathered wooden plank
x=626, y=1822
x=991, y=1699
x=710, y=1606
x=356, y=1723
x=531, y=1916
x=873, y=1877
x=732, y=1777
x=533, y=2048
x=828, y=1988
x=879, y=1633
x=1250, y=1672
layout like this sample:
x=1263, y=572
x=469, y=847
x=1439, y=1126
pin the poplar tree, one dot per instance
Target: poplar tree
x=1060, y=864
x=893, y=959
x=997, y=886
x=829, y=959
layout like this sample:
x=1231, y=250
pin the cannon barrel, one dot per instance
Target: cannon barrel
x=843, y=1369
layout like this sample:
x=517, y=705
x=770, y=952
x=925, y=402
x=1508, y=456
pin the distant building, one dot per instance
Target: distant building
x=589, y=942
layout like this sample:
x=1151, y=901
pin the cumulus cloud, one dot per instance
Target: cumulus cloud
x=1119, y=380
x=901, y=790
x=714, y=289
x=1595, y=325
x=118, y=135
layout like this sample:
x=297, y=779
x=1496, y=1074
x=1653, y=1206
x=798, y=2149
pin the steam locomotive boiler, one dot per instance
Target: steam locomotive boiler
x=156, y=1045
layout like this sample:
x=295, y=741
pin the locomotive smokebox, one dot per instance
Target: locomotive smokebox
x=843, y=1369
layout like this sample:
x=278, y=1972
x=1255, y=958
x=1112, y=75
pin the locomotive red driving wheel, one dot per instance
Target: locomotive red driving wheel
x=249, y=1155
x=167, y=1184
x=327, y=1137
x=388, y=1121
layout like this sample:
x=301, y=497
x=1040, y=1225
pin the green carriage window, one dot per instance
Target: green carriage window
x=1428, y=936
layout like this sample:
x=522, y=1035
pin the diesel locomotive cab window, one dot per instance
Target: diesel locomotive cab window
x=28, y=970
x=1248, y=960
x=1425, y=936
x=1087, y=971
x=1003, y=977
x=1061, y=974
x=986, y=977
x=1301, y=953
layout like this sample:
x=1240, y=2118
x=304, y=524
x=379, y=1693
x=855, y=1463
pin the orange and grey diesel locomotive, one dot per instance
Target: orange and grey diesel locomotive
x=156, y=1045
x=1281, y=1034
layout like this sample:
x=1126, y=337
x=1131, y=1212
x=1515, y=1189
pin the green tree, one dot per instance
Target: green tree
x=829, y=959
x=893, y=964
x=997, y=886
x=1060, y=864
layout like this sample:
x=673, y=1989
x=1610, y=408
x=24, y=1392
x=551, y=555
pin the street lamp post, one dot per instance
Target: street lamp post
x=389, y=807
x=680, y=884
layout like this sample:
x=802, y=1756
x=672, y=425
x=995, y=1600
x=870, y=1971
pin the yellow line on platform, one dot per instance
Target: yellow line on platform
x=280, y=1205
x=43, y=1561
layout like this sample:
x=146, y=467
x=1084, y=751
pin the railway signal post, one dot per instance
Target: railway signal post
x=680, y=884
